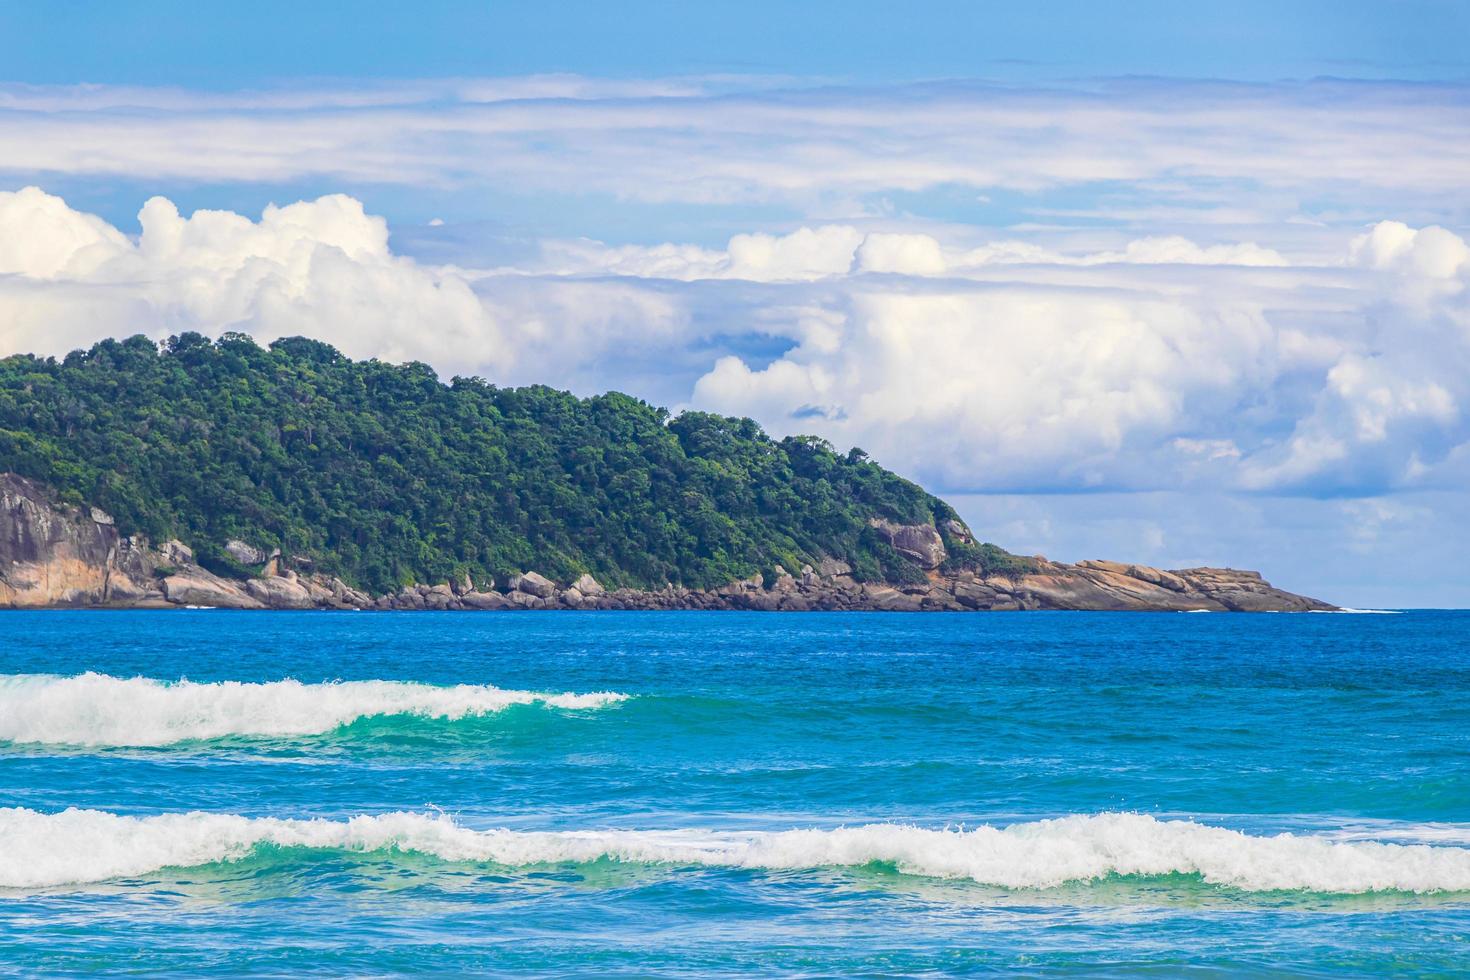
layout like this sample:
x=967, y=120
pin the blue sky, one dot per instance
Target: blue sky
x=1125, y=280
x=270, y=42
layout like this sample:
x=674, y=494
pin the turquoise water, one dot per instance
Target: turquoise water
x=693, y=794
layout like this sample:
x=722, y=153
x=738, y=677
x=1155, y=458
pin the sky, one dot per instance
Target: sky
x=1130, y=280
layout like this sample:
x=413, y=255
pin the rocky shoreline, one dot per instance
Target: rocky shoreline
x=59, y=555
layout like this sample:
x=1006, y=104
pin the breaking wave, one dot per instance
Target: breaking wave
x=99, y=710
x=1349, y=611
x=81, y=846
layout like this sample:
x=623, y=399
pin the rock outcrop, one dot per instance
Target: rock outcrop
x=245, y=554
x=920, y=543
x=54, y=554
x=58, y=554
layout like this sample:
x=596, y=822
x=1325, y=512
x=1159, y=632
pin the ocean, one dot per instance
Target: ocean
x=734, y=794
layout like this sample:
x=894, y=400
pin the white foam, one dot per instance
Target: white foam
x=1348, y=611
x=80, y=846
x=98, y=710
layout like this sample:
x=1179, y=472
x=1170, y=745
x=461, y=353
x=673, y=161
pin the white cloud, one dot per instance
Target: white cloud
x=1004, y=386
x=904, y=254
x=1280, y=378
x=1432, y=252
x=319, y=268
x=827, y=251
x=1197, y=146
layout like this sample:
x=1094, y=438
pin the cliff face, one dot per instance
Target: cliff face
x=55, y=554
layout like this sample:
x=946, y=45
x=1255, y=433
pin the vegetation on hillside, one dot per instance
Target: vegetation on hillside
x=385, y=475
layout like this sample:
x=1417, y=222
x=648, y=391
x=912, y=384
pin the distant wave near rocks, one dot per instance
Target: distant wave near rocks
x=97, y=710
x=82, y=846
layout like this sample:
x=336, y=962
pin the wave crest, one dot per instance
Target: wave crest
x=97, y=710
x=81, y=846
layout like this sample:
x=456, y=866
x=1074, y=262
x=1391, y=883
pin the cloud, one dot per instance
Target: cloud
x=1311, y=380
x=827, y=251
x=1189, y=145
x=321, y=267
x=999, y=366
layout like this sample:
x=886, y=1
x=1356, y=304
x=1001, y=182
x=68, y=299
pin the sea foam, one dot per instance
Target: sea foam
x=98, y=710
x=80, y=846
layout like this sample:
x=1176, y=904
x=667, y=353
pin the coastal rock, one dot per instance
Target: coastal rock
x=197, y=587
x=280, y=593
x=833, y=567
x=1245, y=591
x=973, y=595
x=535, y=584
x=920, y=543
x=245, y=554
x=176, y=551
x=485, y=600
x=522, y=600
x=588, y=586
x=347, y=597
x=54, y=554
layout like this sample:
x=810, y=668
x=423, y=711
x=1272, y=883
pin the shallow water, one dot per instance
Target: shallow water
x=286, y=793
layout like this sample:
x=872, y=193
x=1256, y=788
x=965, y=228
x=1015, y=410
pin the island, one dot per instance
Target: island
x=221, y=473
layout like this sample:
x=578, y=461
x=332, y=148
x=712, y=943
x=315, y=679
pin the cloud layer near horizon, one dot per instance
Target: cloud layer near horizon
x=1229, y=149
x=1003, y=365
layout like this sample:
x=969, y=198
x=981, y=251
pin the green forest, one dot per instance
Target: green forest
x=385, y=475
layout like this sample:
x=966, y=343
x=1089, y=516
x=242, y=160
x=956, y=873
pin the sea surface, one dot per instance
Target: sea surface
x=735, y=794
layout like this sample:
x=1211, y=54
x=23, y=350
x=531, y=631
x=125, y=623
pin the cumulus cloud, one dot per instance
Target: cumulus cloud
x=1433, y=252
x=319, y=268
x=1310, y=380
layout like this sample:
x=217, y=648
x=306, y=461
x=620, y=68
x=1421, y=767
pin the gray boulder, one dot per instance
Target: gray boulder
x=833, y=567
x=959, y=531
x=196, y=587
x=245, y=554
x=280, y=593
x=485, y=600
x=588, y=586
x=920, y=543
x=176, y=552
x=533, y=583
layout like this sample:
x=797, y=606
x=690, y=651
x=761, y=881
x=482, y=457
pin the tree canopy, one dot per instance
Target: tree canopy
x=385, y=475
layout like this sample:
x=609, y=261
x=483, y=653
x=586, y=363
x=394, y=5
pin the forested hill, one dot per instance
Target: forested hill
x=384, y=475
